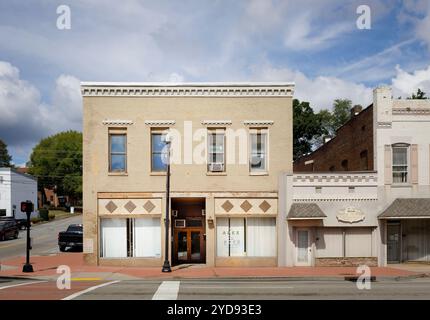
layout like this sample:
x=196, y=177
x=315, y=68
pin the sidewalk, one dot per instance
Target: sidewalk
x=45, y=267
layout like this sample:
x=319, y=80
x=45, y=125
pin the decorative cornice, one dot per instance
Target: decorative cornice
x=411, y=111
x=258, y=122
x=216, y=122
x=309, y=179
x=94, y=89
x=117, y=122
x=335, y=198
x=160, y=122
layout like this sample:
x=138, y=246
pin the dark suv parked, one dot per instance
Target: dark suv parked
x=8, y=229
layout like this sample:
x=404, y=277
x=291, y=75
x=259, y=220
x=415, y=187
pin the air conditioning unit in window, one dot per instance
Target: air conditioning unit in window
x=216, y=167
x=180, y=223
x=203, y=212
x=174, y=213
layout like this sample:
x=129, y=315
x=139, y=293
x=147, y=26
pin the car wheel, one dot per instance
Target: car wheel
x=15, y=236
x=62, y=248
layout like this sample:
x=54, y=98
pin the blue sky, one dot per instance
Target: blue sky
x=314, y=43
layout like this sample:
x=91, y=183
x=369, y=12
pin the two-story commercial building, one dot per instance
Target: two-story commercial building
x=230, y=143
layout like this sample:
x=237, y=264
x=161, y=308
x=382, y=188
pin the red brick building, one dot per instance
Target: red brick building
x=350, y=150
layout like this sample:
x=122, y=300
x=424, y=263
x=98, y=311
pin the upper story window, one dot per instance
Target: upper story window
x=117, y=152
x=158, y=163
x=258, y=150
x=216, y=150
x=400, y=163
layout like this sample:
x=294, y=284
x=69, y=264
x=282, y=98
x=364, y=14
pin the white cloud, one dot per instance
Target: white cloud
x=319, y=91
x=302, y=35
x=26, y=118
x=404, y=83
x=423, y=29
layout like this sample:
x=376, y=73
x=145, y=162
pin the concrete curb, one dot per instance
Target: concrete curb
x=232, y=278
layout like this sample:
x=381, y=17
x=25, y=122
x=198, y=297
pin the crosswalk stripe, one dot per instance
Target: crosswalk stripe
x=77, y=294
x=21, y=284
x=168, y=290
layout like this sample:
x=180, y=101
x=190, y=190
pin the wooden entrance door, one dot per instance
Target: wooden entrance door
x=189, y=245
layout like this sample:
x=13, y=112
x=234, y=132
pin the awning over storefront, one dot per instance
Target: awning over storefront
x=304, y=211
x=407, y=208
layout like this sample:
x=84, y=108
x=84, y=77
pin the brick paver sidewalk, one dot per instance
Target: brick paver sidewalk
x=46, y=266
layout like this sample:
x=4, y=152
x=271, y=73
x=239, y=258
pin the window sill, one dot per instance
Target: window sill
x=401, y=185
x=158, y=173
x=216, y=173
x=262, y=173
x=117, y=174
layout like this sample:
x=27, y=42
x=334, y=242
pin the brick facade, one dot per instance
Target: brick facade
x=350, y=150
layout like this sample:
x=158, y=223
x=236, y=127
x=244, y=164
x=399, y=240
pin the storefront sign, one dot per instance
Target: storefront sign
x=350, y=215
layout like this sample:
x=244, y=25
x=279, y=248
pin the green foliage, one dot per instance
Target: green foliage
x=306, y=127
x=341, y=112
x=419, y=95
x=57, y=163
x=5, y=158
x=44, y=214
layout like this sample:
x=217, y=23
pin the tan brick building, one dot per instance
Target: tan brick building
x=230, y=144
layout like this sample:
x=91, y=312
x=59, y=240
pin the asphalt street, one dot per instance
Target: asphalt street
x=44, y=238
x=215, y=289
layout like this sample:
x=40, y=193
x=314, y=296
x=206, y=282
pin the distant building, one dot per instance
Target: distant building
x=350, y=150
x=16, y=187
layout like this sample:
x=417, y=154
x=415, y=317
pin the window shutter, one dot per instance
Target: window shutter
x=414, y=164
x=388, y=176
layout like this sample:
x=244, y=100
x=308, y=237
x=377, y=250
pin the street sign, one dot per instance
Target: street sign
x=27, y=207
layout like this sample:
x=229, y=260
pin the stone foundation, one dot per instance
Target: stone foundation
x=346, y=262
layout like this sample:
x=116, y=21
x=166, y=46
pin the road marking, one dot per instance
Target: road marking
x=77, y=294
x=21, y=284
x=168, y=290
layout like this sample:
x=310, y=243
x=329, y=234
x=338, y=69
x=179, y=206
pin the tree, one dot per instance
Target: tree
x=419, y=95
x=341, y=112
x=5, y=158
x=57, y=163
x=306, y=128
x=325, y=118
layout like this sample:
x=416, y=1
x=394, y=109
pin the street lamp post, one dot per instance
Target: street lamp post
x=27, y=207
x=166, y=264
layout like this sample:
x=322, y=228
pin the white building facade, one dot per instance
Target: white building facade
x=371, y=217
x=15, y=188
x=402, y=159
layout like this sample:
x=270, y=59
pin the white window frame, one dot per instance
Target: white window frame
x=265, y=170
x=210, y=133
x=408, y=162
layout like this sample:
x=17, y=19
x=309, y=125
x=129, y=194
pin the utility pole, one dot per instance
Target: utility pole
x=166, y=265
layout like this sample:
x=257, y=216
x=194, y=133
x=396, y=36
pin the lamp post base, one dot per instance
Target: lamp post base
x=166, y=267
x=27, y=268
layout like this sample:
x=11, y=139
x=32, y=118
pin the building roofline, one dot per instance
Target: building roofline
x=26, y=175
x=187, y=84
